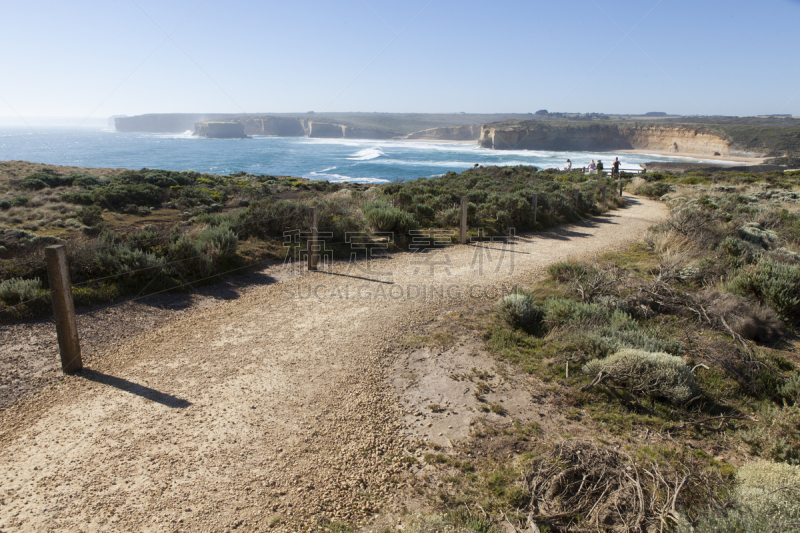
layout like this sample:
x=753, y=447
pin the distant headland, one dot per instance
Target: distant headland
x=714, y=136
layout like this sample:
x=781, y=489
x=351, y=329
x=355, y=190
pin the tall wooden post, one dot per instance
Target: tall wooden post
x=464, y=204
x=312, y=242
x=63, y=308
x=576, y=199
x=535, y=203
x=604, y=194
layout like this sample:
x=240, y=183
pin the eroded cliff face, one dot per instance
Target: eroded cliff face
x=470, y=132
x=606, y=137
x=277, y=126
x=220, y=130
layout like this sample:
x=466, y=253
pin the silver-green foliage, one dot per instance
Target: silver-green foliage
x=656, y=374
x=777, y=435
x=774, y=284
x=122, y=259
x=755, y=233
x=518, y=310
x=773, y=489
x=766, y=499
x=16, y=290
x=221, y=240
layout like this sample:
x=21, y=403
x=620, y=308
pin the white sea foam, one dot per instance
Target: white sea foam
x=366, y=154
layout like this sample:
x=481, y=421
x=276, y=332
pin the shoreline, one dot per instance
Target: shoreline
x=715, y=159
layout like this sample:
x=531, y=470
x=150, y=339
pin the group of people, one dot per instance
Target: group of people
x=595, y=167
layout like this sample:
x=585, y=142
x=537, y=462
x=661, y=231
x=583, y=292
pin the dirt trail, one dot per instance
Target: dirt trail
x=273, y=409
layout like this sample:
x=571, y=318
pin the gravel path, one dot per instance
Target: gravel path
x=272, y=410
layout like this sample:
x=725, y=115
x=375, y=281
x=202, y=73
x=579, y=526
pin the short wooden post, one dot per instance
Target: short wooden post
x=576, y=199
x=63, y=308
x=312, y=242
x=620, y=187
x=604, y=194
x=464, y=204
x=535, y=203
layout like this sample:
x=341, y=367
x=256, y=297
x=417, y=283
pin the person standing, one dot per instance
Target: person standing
x=592, y=167
x=569, y=166
x=615, y=167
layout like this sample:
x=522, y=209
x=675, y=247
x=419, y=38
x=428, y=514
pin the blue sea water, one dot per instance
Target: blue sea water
x=363, y=161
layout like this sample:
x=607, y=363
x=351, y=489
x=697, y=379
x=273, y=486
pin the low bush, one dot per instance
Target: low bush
x=766, y=499
x=774, y=284
x=89, y=215
x=16, y=290
x=19, y=201
x=654, y=374
x=518, y=310
x=220, y=240
x=565, y=271
x=654, y=190
x=755, y=233
x=383, y=217
x=747, y=318
x=5, y=205
x=188, y=258
x=776, y=435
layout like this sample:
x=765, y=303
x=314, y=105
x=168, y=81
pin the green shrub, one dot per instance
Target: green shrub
x=518, y=310
x=562, y=311
x=383, y=217
x=774, y=284
x=565, y=271
x=189, y=258
x=5, y=205
x=118, y=259
x=777, y=435
x=119, y=195
x=789, y=391
x=19, y=201
x=655, y=190
x=89, y=215
x=47, y=178
x=655, y=374
x=221, y=240
x=86, y=181
x=16, y=290
x=33, y=184
x=80, y=198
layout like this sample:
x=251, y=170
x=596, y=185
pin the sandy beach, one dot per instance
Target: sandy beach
x=722, y=159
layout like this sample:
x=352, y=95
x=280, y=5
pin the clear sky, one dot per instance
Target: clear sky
x=105, y=57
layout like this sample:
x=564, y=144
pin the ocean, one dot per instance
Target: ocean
x=362, y=161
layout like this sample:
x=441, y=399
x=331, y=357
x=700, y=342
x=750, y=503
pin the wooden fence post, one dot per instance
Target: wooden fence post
x=464, y=205
x=312, y=242
x=63, y=308
x=535, y=205
x=576, y=199
x=620, y=187
x=604, y=194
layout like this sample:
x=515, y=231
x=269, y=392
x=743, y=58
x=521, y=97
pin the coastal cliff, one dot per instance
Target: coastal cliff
x=220, y=130
x=566, y=136
x=165, y=123
x=469, y=132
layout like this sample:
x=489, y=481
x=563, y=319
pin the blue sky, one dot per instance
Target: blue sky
x=98, y=58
